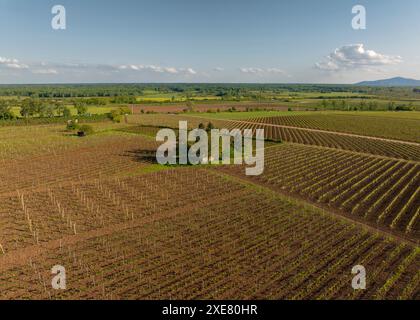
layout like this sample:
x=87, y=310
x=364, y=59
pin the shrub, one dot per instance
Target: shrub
x=66, y=112
x=5, y=111
x=124, y=110
x=404, y=108
x=72, y=125
x=116, y=114
x=85, y=130
x=81, y=108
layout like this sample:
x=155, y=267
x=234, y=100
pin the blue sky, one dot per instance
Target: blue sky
x=208, y=41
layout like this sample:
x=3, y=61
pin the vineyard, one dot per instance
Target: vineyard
x=395, y=127
x=126, y=239
x=382, y=192
x=392, y=149
x=380, y=147
x=127, y=228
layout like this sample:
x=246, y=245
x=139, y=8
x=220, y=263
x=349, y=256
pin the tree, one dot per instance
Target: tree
x=66, y=112
x=5, y=111
x=59, y=108
x=85, y=130
x=49, y=111
x=29, y=107
x=40, y=109
x=81, y=108
x=190, y=106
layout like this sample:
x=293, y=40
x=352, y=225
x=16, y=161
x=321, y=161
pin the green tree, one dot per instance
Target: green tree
x=59, y=108
x=190, y=106
x=29, y=107
x=81, y=108
x=49, y=111
x=66, y=112
x=5, y=111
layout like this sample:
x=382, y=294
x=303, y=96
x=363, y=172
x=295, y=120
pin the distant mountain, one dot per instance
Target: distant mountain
x=393, y=82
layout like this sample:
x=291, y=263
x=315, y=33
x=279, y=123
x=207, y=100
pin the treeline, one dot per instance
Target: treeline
x=365, y=105
x=52, y=120
x=71, y=90
x=129, y=91
x=40, y=108
x=35, y=108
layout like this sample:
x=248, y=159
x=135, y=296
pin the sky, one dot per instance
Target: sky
x=215, y=41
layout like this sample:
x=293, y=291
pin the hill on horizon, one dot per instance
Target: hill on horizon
x=392, y=82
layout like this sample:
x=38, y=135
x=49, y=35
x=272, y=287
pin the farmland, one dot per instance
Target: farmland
x=339, y=189
x=361, y=144
x=370, y=125
x=382, y=192
x=164, y=249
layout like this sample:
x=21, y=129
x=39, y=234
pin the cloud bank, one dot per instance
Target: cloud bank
x=12, y=63
x=158, y=69
x=44, y=68
x=253, y=70
x=356, y=56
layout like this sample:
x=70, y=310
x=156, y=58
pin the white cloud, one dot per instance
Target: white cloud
x=355, y=56
x=189, y=71
x=251, y=70
x=275, y=70
x=90, y=69
x=12, y=63
x=262, y=70
x=218, y=69
x=158, y=69
x=45, y=71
